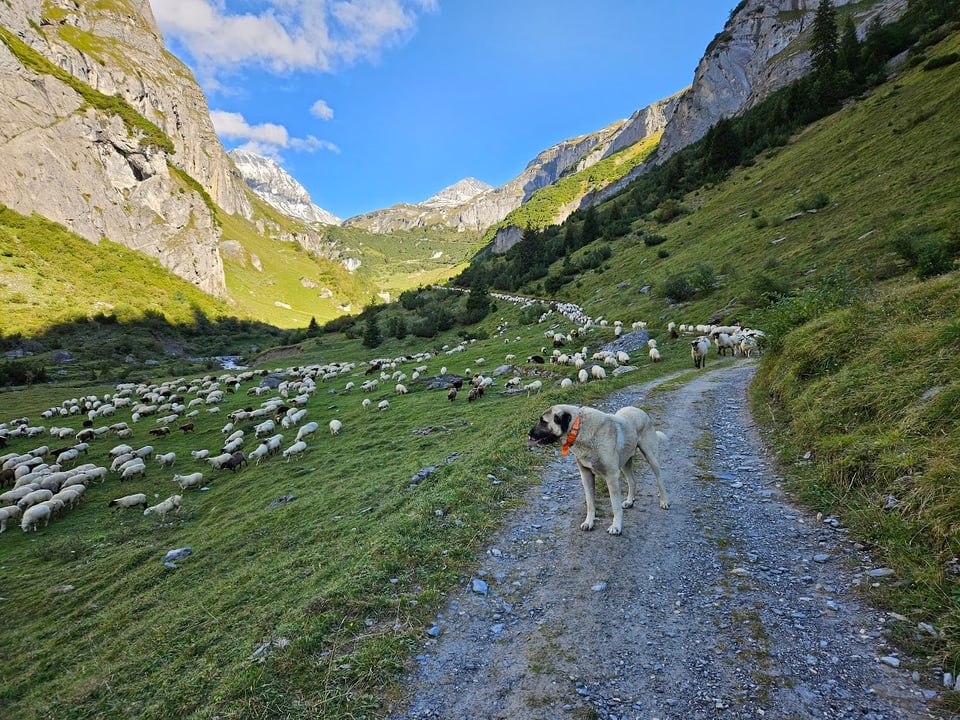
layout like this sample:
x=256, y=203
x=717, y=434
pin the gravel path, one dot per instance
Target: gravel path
x=732, y=604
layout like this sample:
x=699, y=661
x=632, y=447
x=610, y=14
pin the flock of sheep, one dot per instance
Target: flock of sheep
x=48, y=482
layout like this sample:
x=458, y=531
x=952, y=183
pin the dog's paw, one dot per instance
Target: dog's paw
x=665, y=505
x=626, y=504
x=614, y=530
x=586, y=525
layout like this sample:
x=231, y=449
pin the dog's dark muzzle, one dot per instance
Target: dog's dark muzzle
x=541, y=433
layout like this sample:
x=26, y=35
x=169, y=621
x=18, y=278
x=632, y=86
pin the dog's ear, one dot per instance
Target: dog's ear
x=563, y=420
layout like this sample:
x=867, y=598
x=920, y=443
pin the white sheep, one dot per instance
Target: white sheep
x=401, y=389
x=654, y=355
x=162, y=508
x=383, y=405
x=34, y=498
x=11, y=512
x=309, y=429
x=32, y=516
x=129, y=501
x=598, y=373
x=189, y=481
x=367, y=402
x=217, y=461
x=133, y=471
x=699, y=349
x=566, y=383
x=335, y=427
x=295, y=450
x=200, y=454
x=260, y=452
x=534, y=386
x=166, y=459
x=264, y=428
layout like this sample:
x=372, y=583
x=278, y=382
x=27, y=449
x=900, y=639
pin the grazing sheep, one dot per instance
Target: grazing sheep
x=383, y=405
x=534, y=386
x=32, y=516
x=566, y=383
x=654, y=355
x=335, y=427
x=34, y=498
x=309, y=429
x=200, y=454
x=167, y=459
x=133, y=471
x=264, y=428
x=188, y=481
x=236, y=460
x=217, y=461
x=295, y=450
x=145, y=452
x=452, y=395
x=598, y=373
x=259, y=453
x=120, y=450
x=162, y=508
x=129, y=501
x=187, y=427
x=11, y=512
x=699, y=349
x=401, y=389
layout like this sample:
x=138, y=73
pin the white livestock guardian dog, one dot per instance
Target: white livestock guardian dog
x=604, y=444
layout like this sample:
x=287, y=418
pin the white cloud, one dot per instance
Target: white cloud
x=321, y=110
x=287, y=35
x=266, y=139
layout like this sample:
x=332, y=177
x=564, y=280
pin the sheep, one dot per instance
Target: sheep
x=133, y=471
x=200, y=454
x=654, y=355
x=264, y=428
x=724, y=342
x=129, y=501
x=32, y=516
x=566, y=383
x=383, y=405
x=309, y=429
x=11, y=512
x=335, y=427
x=217, y=461
x=583, y=376
x=145, y=452
x=232, y=446
x=534, y=386
x=598, y=373
x=236, y=460
x=401, y=389
x=165, y=459
x=189, y=481
x=162, y=508
x=70, y=496
x=452, y=394
x=699, y=349
x=297, y=449
x=34, y=498
x=259, y=453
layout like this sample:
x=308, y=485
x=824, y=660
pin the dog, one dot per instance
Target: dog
x=604, y=444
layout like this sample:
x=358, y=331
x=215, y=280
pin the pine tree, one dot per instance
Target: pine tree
x=371, y=334
x=823, y=52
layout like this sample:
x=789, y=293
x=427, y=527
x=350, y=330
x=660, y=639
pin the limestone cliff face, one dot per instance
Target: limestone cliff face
x=87, y=168
x=758, y=52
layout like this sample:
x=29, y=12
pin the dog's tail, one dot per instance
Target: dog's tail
x=662, y=437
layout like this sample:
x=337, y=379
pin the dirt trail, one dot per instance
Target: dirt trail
x=732, y=604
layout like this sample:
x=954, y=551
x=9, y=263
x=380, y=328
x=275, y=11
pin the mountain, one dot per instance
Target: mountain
x=275, y=185
x=105, y=132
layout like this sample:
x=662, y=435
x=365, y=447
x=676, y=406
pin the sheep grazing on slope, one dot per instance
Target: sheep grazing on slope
x=383, y=405
x=34, y=515
x=295, y=450
x=654, y=355
x=162, y=508
x=129, y=501
x=165, y=459
x=335, y=427
x=309, y=429
x=189, y=481
x=12, y=512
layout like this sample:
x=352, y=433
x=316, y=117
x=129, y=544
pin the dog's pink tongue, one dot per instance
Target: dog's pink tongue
x=533, y=441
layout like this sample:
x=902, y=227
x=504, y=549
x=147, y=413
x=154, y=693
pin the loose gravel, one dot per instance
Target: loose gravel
x=731, y=604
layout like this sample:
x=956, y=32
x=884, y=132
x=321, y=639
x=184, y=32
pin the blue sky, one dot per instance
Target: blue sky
x=370, y=103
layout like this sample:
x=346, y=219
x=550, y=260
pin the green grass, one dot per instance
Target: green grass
x=351, y=572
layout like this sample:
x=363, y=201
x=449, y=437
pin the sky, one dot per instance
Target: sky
x=371, y=103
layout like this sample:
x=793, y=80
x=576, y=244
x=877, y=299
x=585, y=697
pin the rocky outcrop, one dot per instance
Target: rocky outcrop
x=758, y=52
x=92, y=170
x=277, y=187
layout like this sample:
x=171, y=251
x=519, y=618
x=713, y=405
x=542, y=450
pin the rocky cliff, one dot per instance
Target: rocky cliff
x=106, y=132
x=761, y=49
x=277, y=187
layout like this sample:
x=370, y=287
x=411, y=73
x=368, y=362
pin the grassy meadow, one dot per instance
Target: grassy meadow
x=344, y=577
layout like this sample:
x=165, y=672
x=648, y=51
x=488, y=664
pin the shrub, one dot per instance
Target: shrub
x=653, y=240
x=678, y=288
x=927, y=253
x=941, y=61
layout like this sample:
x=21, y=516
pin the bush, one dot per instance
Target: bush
x=927, y=253
x=677, y=288
x=703, y=277
x=941, y=61
x=653, y=240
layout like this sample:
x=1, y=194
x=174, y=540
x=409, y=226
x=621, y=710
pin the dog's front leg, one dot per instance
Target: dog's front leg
x=587, y=478
x=612, y=476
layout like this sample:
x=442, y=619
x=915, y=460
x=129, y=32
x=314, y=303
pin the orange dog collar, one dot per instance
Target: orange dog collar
x=572, y=436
